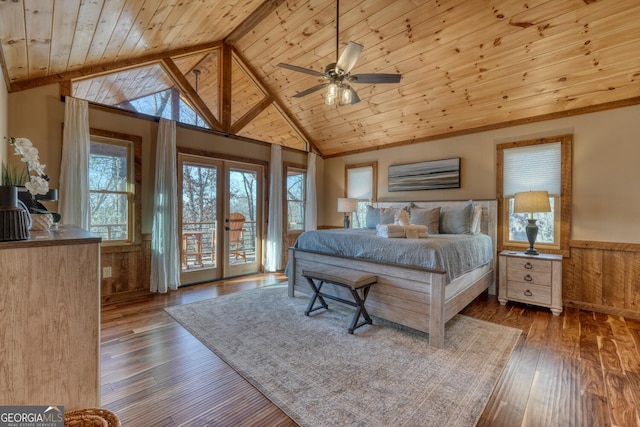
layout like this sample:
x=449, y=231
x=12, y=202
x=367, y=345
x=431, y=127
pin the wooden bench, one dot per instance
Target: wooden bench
x=352, y=280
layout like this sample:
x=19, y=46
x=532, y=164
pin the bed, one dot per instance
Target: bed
x=421, y=297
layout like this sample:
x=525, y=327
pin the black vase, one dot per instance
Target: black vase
x=14, y=220
x=8, y=197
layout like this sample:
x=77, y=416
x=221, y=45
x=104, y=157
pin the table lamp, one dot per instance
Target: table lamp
x=347, y=205
x=531, y=202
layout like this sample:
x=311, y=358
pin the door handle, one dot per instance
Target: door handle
x=227, y=228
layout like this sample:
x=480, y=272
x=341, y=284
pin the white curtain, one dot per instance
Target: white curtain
x=311, y=208
x=273, y=259
x=74, y=165
x=165, y=253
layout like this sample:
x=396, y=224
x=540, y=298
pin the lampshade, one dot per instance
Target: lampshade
x=347, y=205
x=531, y=201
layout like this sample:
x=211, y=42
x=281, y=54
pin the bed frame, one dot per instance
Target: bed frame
x=410, y=296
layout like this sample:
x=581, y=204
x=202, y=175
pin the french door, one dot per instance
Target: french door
x=220, y=210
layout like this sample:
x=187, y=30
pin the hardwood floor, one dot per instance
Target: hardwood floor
x=581, y=368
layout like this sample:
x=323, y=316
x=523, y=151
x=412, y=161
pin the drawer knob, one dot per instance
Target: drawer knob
x=528, y=293
x=528, y=266
x=528, y=278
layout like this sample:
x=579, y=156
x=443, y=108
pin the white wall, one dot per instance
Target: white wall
x=606, y=152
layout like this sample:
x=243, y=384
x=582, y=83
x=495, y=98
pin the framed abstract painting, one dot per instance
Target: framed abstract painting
x=430, y=175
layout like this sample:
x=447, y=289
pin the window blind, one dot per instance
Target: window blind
x=360, y=183
x=534, y=167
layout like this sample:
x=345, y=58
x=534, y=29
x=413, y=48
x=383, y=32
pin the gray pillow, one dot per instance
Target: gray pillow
x=428, y=217
x=377, y=216
x=457, y=220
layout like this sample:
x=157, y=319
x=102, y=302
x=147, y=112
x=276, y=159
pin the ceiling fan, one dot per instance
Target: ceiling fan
x=338, y=74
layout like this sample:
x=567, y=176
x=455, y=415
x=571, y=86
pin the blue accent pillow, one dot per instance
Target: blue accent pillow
x=377, y=216
x=457, y=220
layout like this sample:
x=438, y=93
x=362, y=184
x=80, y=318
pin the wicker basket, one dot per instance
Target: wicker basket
x=91, y=417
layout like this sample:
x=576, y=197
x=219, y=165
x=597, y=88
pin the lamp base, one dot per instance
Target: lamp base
x=532, y=234
x=347, y=222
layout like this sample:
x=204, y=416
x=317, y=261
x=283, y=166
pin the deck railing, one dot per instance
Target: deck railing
x=199, y=243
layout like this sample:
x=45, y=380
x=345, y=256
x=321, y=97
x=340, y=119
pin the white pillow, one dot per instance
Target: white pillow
x=477, y=218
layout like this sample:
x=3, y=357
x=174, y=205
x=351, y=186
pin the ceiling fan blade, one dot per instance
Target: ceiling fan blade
x=301, y=70
x=354, y=96
x=349, y=57
x=375, y=78
x=310, y=90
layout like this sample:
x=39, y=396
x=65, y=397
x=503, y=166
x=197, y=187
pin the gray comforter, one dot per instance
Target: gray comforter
x=457, y=254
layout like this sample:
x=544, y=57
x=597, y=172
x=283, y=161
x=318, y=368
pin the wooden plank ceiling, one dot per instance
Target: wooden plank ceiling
x=465, y=65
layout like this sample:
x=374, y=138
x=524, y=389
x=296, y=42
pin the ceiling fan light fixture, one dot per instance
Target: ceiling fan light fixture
x=345, y=96
x=332, y=94
x=338, y=74
x=330, y=100
x=332, y=90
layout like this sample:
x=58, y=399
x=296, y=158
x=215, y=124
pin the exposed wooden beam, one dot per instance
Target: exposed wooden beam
x=180, y=80
x=5, y=73
x=225, y=79
x=96, y=70
x=263, y=11
x=281, y=109
x=250, y=115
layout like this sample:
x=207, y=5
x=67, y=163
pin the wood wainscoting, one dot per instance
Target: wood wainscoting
x=130, y=270
x=604, y=277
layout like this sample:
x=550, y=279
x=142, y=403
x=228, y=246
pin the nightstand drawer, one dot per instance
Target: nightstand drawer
x=528, y=264
x=533, y=277
x=528, y=293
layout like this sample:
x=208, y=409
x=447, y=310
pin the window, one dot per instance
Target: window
x=360, y=183
x=111, y=188
x=543, y=164
x=295, y=192
x=162, y=104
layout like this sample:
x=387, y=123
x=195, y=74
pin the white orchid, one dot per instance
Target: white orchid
x=38, y=183
x=37, y=167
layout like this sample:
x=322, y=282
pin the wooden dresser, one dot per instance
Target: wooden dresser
x=50, y=319
x=531, y=279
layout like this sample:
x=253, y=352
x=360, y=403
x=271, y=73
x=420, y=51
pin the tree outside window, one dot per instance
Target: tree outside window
x=295, y=193
x=111, y=189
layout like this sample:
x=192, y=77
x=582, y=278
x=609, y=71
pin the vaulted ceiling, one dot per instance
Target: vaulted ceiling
x=466, y=65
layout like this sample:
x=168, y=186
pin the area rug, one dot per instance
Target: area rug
x=382, y=375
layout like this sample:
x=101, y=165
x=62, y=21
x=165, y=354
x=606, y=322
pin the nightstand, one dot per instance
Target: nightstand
x=531, y=279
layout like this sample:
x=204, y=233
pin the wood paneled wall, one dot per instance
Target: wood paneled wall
x=604, y=277
x=130, y=270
